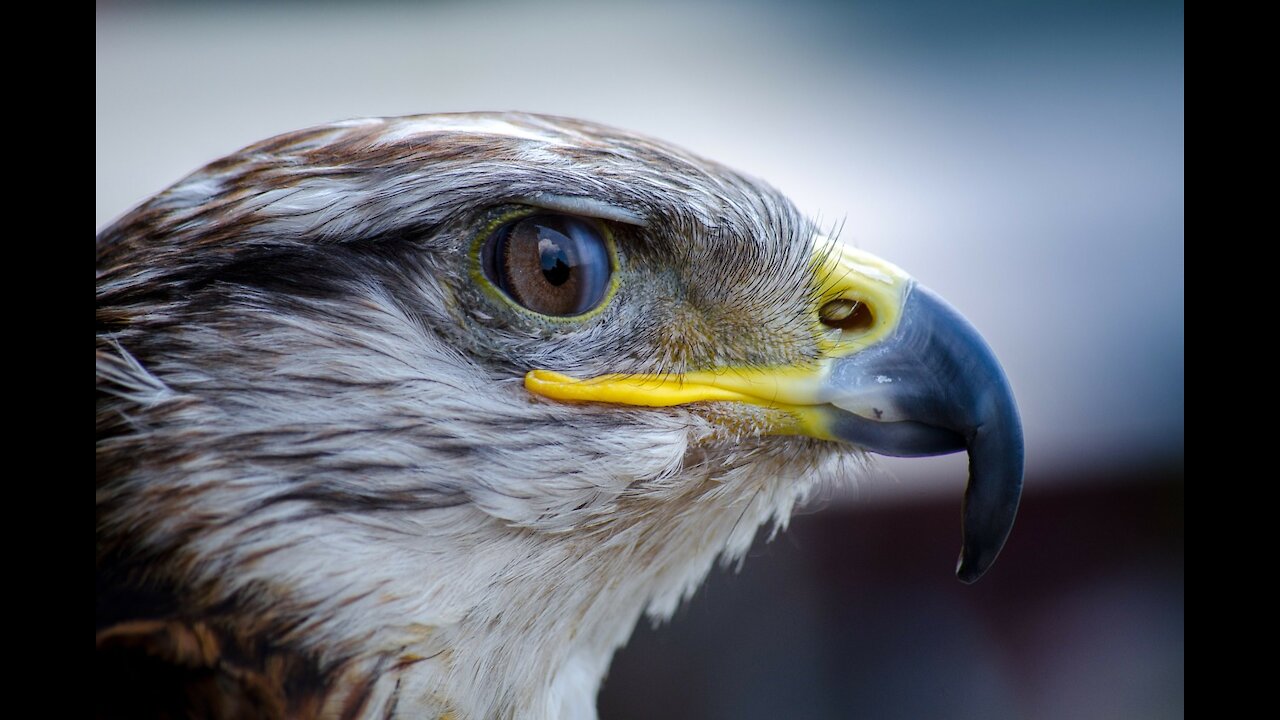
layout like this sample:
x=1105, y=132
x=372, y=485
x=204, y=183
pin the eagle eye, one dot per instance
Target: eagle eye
x=550, y=264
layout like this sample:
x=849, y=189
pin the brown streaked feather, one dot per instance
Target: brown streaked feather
x=203, y=669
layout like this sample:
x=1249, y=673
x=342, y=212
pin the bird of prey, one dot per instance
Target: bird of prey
x=417, y=416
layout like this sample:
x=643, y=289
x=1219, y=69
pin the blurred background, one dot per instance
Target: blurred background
x=1024, y=159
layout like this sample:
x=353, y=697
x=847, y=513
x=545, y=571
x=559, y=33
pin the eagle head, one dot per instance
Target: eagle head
x=419, y=415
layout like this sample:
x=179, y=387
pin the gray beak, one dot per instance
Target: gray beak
x=935, y=387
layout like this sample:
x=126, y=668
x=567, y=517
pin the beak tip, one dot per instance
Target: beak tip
x=970, y=570
x=988, y=520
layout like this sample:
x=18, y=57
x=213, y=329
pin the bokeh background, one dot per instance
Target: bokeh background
x=1024, y=159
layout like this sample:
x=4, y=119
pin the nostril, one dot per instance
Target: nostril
x=846, y=314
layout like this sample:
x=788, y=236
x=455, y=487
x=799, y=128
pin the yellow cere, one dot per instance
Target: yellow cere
x=843, y=273
x=852, y=274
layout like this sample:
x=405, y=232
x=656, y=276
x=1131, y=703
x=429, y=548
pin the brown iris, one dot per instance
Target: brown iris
x=551, y=264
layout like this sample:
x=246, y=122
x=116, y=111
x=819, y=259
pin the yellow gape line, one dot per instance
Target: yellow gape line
x=669, y=390
x=647, y=390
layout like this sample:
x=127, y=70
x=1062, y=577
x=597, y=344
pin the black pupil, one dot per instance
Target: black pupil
x=555, y=262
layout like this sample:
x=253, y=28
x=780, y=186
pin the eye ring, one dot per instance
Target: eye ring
x=555, y=266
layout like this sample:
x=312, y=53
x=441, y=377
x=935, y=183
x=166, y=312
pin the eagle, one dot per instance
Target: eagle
x=418, y=416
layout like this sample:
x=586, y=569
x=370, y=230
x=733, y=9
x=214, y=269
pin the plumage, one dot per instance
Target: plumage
x=325, y=485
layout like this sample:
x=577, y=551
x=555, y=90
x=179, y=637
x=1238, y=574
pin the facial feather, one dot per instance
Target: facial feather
x=311, y=425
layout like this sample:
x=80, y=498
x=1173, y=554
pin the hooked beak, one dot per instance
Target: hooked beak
x=931, y=388
x=911, y=378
